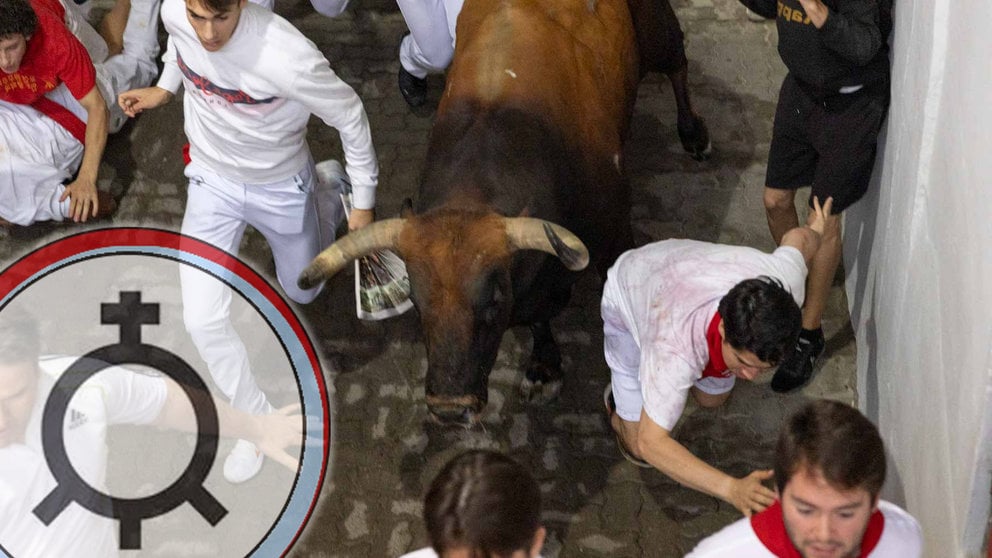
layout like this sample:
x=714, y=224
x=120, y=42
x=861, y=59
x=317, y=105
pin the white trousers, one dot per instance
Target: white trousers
x=431, y=43
x=133, y=68
x=37, y=155
x=217, y=211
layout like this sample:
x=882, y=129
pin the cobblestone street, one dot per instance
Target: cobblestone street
x=385, y=450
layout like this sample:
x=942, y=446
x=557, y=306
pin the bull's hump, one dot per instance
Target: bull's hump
x=548, y=57
x=515, y=48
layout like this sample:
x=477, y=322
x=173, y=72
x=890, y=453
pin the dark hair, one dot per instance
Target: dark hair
x=19, y=338
x=218, y=6
x=483, y=501
x=835, y=440
x=17, y=18
x=760, y=316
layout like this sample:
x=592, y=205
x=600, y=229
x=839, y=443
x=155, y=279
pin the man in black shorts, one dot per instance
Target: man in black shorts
x=830, y=109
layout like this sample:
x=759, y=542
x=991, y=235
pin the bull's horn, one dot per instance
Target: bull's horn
x=376, y=236
x=526, y=233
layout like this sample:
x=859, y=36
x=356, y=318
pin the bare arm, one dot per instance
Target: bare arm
x=658, y=448
x=135, y=101
x=272, y=433
x=806, y=239
x=81, y=192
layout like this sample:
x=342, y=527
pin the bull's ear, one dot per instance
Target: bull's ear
x=406, y=210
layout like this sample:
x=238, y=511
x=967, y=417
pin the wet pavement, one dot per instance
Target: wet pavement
x=385, y=451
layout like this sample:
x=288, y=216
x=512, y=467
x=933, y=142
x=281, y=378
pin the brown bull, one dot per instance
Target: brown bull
x=524, y=161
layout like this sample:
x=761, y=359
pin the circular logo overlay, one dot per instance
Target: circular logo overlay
x=157, y=397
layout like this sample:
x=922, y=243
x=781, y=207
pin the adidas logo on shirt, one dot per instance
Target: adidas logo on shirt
x=76, y=419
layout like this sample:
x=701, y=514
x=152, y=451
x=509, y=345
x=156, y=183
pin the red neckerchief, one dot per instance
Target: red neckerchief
x=769, y=526
x=63, y=116
x=716, y=367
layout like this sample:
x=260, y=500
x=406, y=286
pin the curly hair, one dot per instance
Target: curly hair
x=17, y=18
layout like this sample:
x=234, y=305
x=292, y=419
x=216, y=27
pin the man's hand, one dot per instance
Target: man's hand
x=135, y=101
x=83, y=202
x=359, y=218
x=750, y=496
x=818, y=217
x=816, y=10
x=280, y=430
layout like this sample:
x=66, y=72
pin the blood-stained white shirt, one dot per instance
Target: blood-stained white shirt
x=666, y=294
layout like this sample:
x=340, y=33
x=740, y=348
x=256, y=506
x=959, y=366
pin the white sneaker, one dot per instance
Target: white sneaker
x=243, y=463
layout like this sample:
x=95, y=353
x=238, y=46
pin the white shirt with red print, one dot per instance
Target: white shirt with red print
x=247, y=105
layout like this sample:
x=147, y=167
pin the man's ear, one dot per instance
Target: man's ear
x=535, y=548
x=723, y=332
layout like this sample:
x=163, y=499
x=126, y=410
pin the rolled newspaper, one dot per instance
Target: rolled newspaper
x=382, y=286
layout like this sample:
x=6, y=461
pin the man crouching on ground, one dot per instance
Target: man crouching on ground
x=683, y=316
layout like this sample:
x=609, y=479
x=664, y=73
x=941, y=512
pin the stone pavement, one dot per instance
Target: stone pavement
x=385, y=451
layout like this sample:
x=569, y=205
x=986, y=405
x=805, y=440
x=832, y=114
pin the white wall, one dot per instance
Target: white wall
x=918, y=252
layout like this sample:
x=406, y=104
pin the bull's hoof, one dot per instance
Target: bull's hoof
x=540, y=391
x=695, y=138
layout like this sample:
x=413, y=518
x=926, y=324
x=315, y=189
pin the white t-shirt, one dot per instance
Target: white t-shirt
x=666, y=293
x=247, y=105
x=114, y=396
x=901, y=537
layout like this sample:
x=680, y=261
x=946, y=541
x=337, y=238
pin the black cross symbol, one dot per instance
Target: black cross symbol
x=130, y=314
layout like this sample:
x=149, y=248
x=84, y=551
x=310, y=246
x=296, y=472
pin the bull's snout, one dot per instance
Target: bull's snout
x=463, y=410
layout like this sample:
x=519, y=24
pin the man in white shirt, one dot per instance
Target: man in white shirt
x=252, y=80
x=829, y=469
x=113, y=396
x=681, y=317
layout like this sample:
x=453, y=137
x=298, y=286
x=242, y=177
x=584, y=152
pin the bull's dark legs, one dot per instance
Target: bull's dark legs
x=661, y=44
x=542, y=379
x=693, y=134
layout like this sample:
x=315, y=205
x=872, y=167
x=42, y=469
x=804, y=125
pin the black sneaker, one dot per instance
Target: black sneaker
x=413, y=89
x=797, y=368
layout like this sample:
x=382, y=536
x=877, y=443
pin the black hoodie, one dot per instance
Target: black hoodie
x=849, y=49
